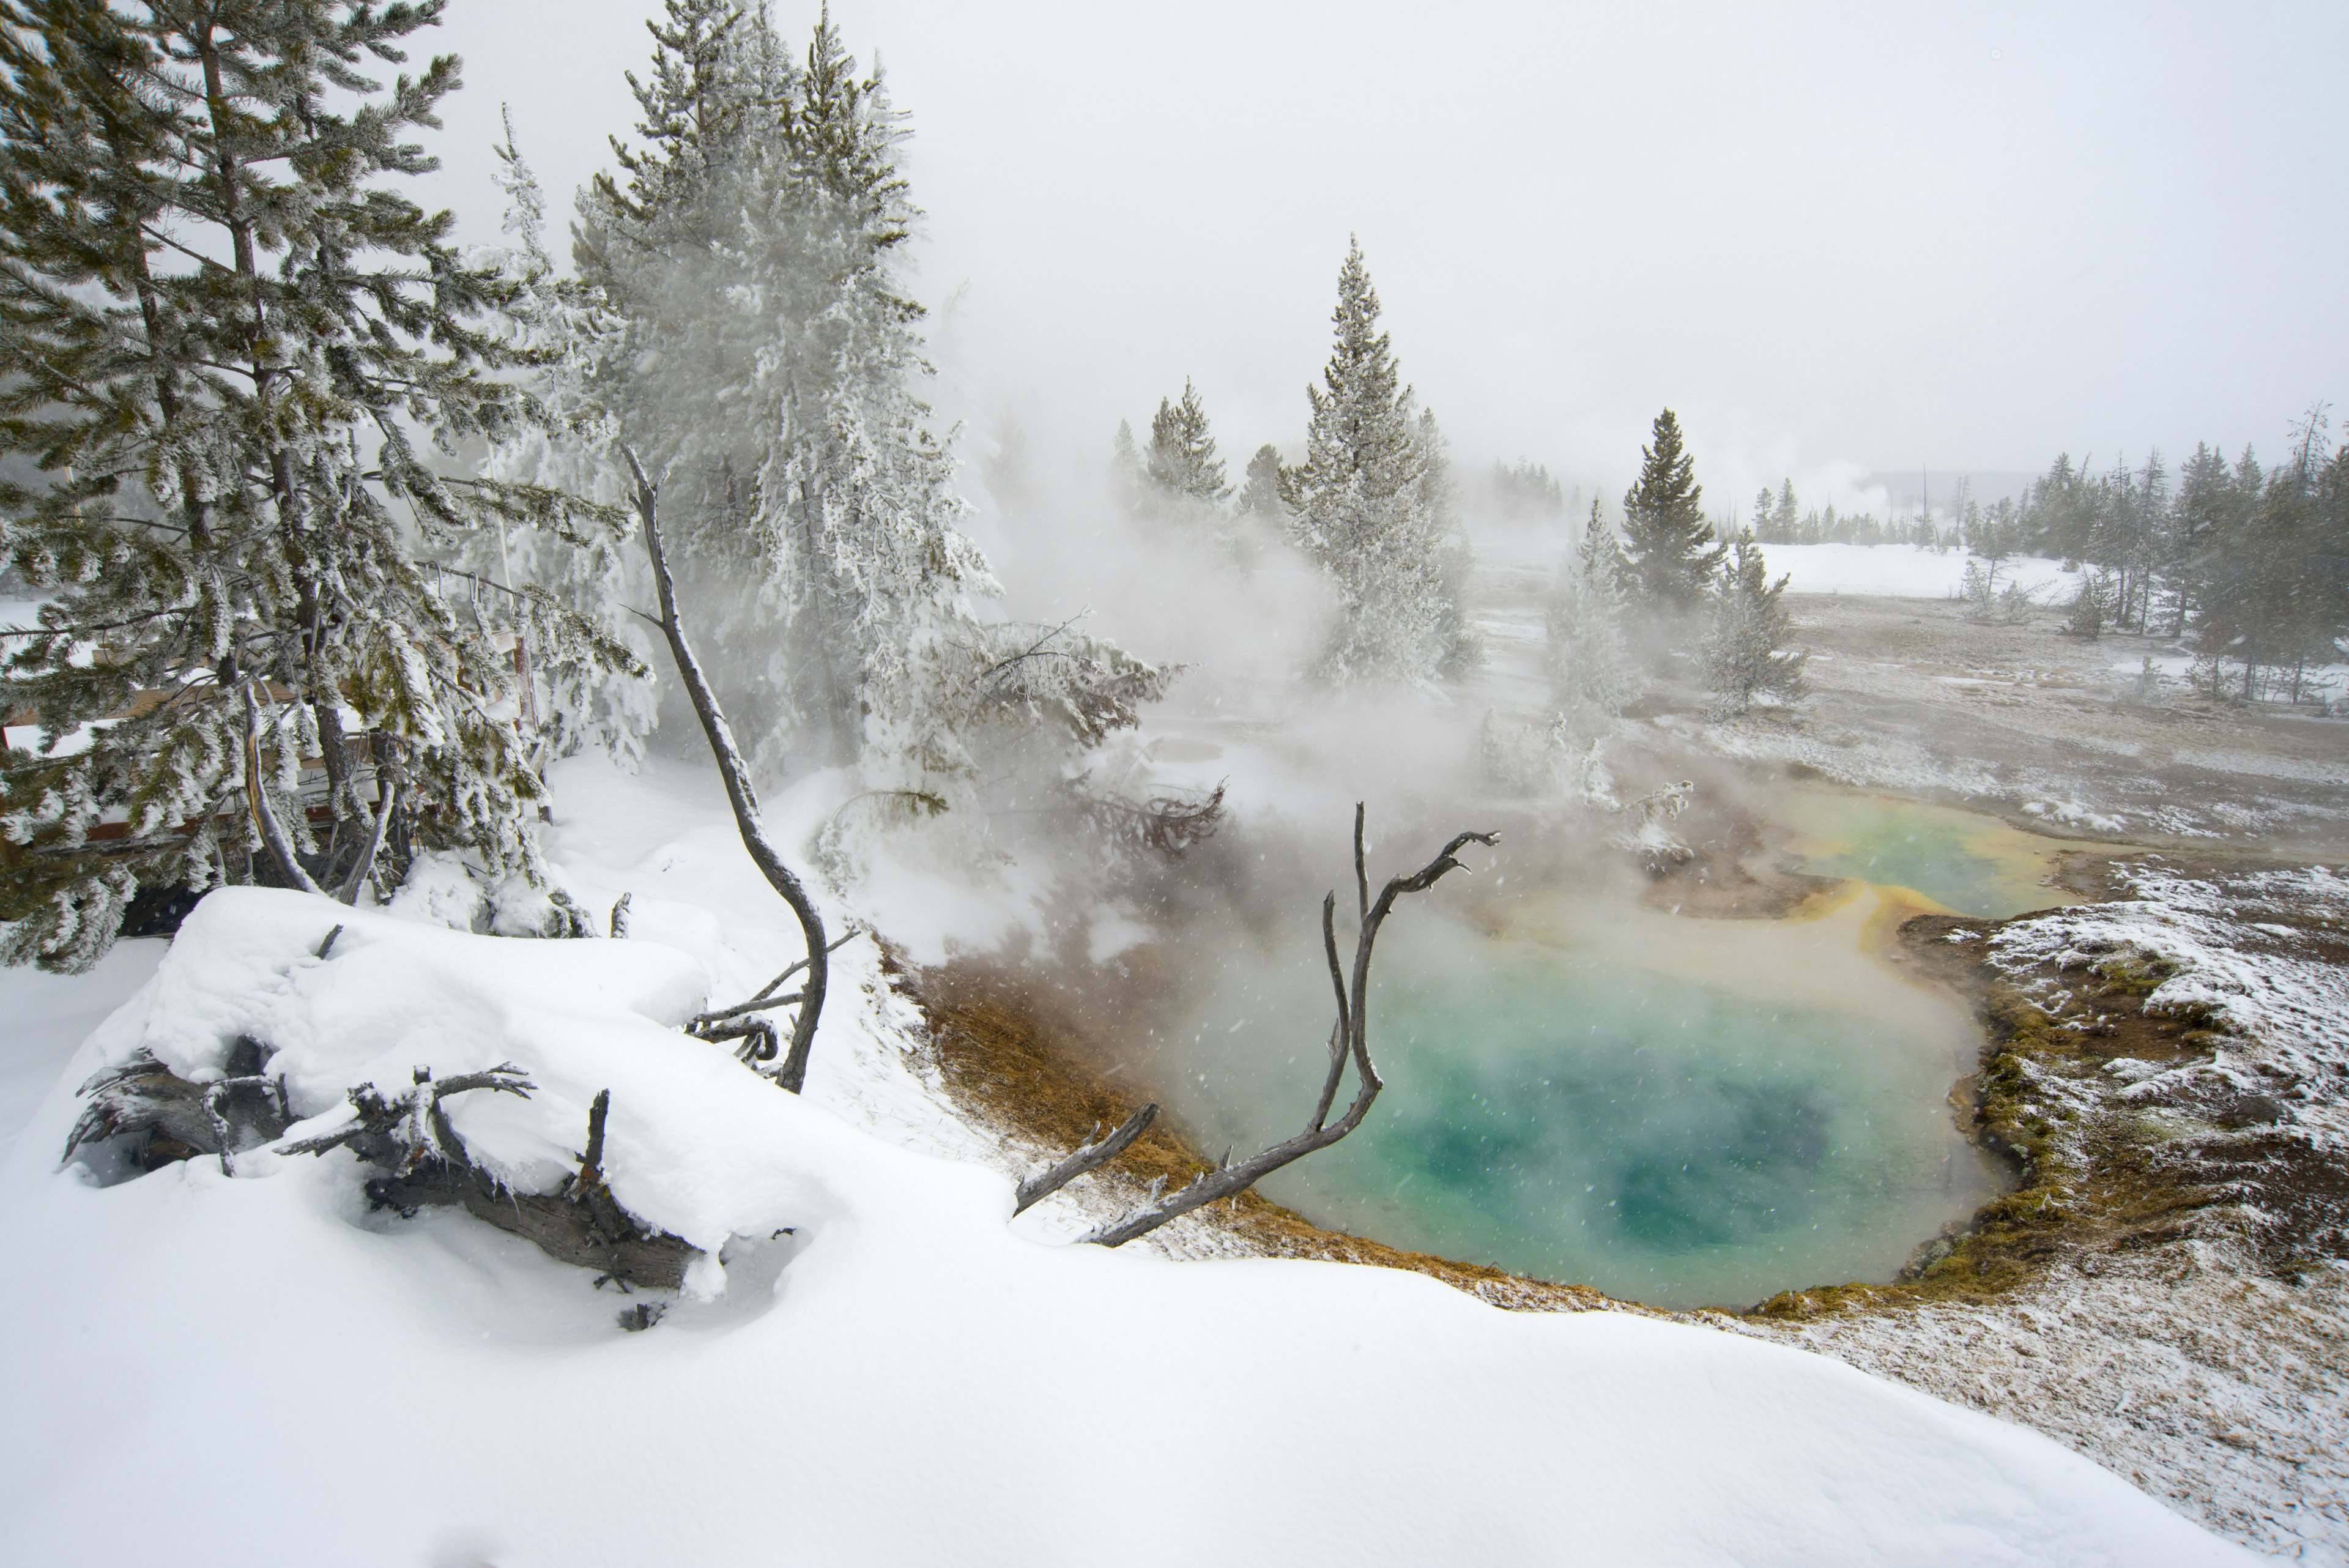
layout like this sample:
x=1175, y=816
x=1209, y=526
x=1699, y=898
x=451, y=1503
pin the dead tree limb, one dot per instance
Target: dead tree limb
x=1349, y=1043
x=766, y=997
x=424, y=1163
x=1091, y=1156
x=793, y=1072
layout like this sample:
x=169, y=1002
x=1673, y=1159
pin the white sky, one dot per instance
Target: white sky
x=1864, y=235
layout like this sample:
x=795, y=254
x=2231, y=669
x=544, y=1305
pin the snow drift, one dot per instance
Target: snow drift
x=252, y=1367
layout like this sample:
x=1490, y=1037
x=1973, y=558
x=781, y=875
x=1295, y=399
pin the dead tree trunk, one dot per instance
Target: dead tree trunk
x=1349, y=1043
x=425, y=1163
x=792, y=1073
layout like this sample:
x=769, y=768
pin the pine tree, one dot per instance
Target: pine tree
x=1785, y=518
x=2201, y=515
x=1126, y=478
x=1182, y=464
x=1366, y=507
x=235, y=364
x=1260, y=496
x=759, y=350
x=1747, y=650
x=572, y=704
x=1592, y=675
x=1673, y=552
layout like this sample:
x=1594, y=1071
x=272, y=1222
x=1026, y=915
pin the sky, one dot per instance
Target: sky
x=1835, y=238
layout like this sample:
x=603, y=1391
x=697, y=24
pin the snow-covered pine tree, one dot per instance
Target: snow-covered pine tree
x=1260, y=496
x=228, y=348
x=1361, y=506
x=1126, y=478
x=1461, y=650
x=1593, y=677
x=1672, y=553
x=600, y=576
x=1747, y=649
x=760, y=353
x=1180, y=465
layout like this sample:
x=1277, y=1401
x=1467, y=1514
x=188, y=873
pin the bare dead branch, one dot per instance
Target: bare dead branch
x=1349, y=1042
x=424, y=1164
x=793, y=1072
x=1091, y=1156
x=766, y=997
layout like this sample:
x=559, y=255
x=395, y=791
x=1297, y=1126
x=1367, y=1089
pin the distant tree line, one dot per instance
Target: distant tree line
x=1778, y=520
x=2248, y=564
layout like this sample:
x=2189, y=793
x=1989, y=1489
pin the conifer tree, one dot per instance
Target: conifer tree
x=571, y=704
x=1365, y=506
x=1672, y=553
x=1747, y=650
x=1126, y=478
x=1182, y=464
x=759, y=351
x=234, y=361
x=1592, y=675
x=1260, y=496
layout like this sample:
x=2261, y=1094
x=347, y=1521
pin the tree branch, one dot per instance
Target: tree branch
x=350, y=891
x=792, y=1074
x=1091, y=1156
x=1348, y=1040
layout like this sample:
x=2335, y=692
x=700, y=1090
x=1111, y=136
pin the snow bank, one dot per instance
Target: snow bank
x=252, y=1368
x=917, y=1385
x=1904, y=571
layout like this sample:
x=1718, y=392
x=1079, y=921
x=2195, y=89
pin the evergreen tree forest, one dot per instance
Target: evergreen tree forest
x=237, y=367
x=2248, y=564
x=322, y=510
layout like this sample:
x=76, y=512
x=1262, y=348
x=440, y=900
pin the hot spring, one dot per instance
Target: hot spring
x=1683, y=1111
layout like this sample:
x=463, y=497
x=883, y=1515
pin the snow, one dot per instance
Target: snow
x=286, y=1378
x=49, y=1014
x=2188, y=1360
x=2287, y=1008
x=1903, y=571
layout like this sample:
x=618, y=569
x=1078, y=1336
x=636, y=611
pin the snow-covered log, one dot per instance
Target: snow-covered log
x=408, y=1136
x=166, y=1117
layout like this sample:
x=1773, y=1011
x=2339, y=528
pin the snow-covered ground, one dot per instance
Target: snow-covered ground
x=2194, y=1343
x=1905, y=571
x=246, y=1366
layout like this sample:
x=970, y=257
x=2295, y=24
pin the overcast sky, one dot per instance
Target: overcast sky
x=1868, y=235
